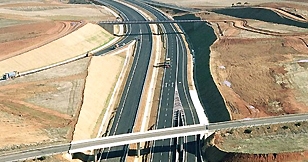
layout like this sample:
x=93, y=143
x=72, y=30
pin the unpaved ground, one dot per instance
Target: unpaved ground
x=265, y=80
x=284, y=93
x=70, y=46
x=99, y=87
x=28, y=24
x=41, y=108
x=221, y=3
x=33, y=109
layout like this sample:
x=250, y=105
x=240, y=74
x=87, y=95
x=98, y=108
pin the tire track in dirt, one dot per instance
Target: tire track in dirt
x=243, y=25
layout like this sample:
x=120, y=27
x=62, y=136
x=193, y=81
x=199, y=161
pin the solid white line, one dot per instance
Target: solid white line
x=130, y=81
x=184, y=87
x=162, y=89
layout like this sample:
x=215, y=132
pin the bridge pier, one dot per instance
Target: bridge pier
x=108, y=27
x=138, y=149
x=96, y=151
x=159, y=29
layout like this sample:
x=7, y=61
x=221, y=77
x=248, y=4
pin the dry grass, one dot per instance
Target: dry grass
x=119, y=94
x=116, y=99
x=67, y=47
x=50, y=121
x=276, y=138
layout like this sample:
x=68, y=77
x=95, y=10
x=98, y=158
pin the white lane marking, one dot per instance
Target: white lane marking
x=166, y=84
x=172, y=84
x=129, y=84
x=184, y=87
x=160, y=105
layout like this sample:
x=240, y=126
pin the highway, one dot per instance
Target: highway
x=160, y=4
x=35, y=153
x=149, y=136
x=166, y=133
x=182, y=131
x=124, y=119
x=174, y=80
x=258, y=121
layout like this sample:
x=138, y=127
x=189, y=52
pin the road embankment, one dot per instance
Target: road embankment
x=103, y=77
x=276, y=142
x=65, y=48
x=203, y=36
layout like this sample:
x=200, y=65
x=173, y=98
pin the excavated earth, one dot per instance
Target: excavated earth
x=268, y=76
x=42, y=108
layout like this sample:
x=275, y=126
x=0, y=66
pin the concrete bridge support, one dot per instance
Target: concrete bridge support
x=115, y=29
x=96, y=151
x=138, y=149
x=108, y=27
x=159, y=29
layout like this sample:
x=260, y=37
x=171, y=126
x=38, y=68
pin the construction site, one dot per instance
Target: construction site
x=48, y=76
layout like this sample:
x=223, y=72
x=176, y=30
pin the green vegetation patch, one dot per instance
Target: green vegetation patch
x=12, y=22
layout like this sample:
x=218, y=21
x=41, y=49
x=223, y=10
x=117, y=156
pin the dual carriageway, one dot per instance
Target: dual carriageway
x=168, y=136
x=173, y=77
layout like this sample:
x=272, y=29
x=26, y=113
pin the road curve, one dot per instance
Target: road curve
x=124, y=119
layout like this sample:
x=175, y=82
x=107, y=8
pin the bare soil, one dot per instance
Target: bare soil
x=35, y=108
x=263, y=69
x=41, y=108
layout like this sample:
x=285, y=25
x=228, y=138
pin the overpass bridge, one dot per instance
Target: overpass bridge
x=160, y=4
x=202, y=129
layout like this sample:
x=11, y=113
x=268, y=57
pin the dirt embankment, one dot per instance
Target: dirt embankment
x=246, y=144
x=42, y=108
x=26, y=25
x=259, y=72
x=32, y=36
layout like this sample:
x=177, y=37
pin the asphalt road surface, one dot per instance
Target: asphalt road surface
x=124, y=119
x=38, y=152
x=174, y=79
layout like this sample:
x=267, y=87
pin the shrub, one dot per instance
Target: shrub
x=247, y=131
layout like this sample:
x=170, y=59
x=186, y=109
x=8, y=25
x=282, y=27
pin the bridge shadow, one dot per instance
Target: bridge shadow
x=82, y=156
x=189, y=147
